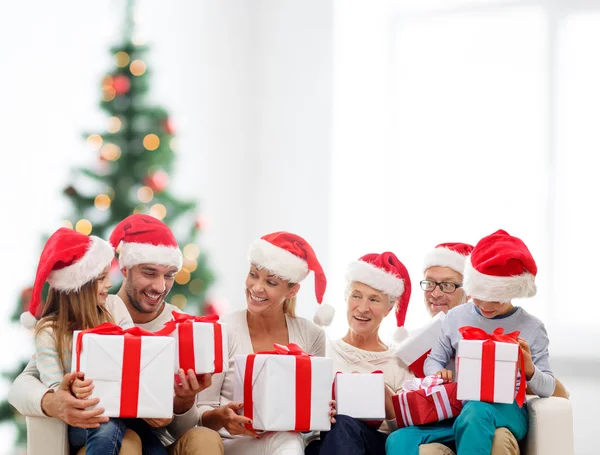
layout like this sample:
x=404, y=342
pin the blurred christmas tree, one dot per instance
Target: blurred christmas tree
x=131, y=175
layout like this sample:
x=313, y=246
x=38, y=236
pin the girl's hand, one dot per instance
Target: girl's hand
x=446, y=375
x=81, y=388
x=332, y=411
x=529, y=368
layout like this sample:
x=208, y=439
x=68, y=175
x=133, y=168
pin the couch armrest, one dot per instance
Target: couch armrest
x=46, y=436
x=550, y=426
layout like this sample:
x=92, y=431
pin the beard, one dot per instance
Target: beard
x=135, y=302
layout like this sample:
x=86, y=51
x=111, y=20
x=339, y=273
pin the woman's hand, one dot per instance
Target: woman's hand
x=80, y=387
x=227, y=417
x=332, y=411
x=390, y=412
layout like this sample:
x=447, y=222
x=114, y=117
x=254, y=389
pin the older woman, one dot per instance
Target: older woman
x=278, y=263
x=376, y=283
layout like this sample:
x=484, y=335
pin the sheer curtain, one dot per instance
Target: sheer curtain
x=455, y=119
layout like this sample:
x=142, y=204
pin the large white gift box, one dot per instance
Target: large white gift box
x=284, y=392
x=361, y=396
x=487, y=371
x=131, y=374
x=413, y=351
x=201, y=343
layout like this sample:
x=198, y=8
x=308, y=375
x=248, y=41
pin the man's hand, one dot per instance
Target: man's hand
x=185, y=393
x=159, y=423
x=64, y=406
x=227, y=417
x=529, y=368
x=446, y=375
x=81, y=388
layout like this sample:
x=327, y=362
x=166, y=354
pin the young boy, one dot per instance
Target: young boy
x=500, y=269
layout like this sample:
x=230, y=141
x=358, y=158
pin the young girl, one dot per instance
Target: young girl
x=76, y=267
x=500, y=269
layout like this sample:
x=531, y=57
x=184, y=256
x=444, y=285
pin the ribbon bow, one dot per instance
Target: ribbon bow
x=475, y=333
x=430, y=384
x=290, y=349
x=489, y=354
x=182, y=318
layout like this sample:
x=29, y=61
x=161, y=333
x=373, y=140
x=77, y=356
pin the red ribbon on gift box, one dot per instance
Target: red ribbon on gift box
x=185, y=338
x=303, y=384
x=132, y=354
x=488, y=359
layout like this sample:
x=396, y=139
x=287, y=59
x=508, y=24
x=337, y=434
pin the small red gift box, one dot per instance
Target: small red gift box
x=424, y=401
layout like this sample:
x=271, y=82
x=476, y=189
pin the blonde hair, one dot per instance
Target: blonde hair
x=65, y=312
x=289, y=306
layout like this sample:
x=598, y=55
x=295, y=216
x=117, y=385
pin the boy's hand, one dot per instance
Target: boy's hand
x=81, y=388
x=159, y=423
x=446, y=375
x=529, y=368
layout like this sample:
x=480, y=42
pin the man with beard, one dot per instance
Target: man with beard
x=149, y=259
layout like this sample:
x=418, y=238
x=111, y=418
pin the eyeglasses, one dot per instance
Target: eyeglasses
x=445, y=287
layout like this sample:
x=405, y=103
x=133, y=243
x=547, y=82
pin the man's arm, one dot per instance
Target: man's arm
x=27, y=392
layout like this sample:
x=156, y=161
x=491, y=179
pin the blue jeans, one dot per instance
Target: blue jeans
x=348, y=436
x=473, y=429
x=107, y=438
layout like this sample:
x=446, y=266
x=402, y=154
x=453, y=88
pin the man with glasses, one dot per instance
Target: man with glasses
x=442, y=283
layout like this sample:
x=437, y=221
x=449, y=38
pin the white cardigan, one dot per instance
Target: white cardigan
x=302, y=332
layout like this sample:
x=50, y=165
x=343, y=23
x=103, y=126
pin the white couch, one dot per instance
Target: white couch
x=550, y=430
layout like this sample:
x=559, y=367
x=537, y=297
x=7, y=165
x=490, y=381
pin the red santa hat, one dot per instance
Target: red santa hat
x=387, y=274
x=145, y=240
x=68, y=261
x=451, y=255
x=501, y=269
x=291, y=258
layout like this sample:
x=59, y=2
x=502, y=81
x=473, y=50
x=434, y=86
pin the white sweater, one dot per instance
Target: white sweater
x=349, y=359
x=302, y=332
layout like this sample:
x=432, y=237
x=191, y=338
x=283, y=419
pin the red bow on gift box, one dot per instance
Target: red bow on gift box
x=132, y=354
x=185, y=338
x=488, y=359
x=303, y=383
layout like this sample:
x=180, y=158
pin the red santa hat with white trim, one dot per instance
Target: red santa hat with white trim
x=291, y=258
x=501, y=269
x=451, y=255
x=68, y=261
x=387, y=274
x=145, y=240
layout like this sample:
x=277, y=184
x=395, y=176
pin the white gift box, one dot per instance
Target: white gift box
x=361, y=396
x=275, y=398
x=102, y=360
x=413, y=351
x=200, y=353
x=500, y=381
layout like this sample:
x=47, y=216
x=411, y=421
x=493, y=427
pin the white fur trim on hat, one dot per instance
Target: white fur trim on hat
x=498, y=288
x=445, y=257
x=277, y=260
x=96, y=258
x=375, y=277
x=324, y=315
x=132, y=253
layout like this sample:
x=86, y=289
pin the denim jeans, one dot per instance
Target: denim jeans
x=348, y=436
x=107, y=438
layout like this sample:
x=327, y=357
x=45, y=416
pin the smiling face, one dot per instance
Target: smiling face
x=265, y=292
x=436, y=300
x=147, y=285
x=366, y=309
x=103, y=285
